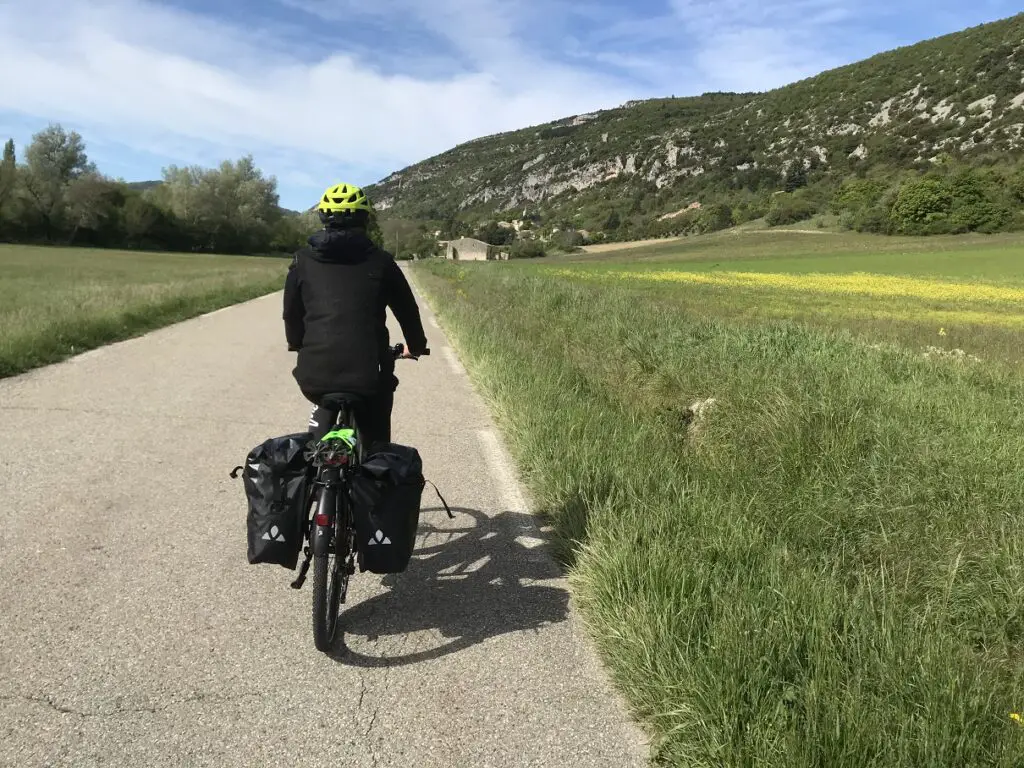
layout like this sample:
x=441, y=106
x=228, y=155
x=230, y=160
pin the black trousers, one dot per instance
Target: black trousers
x=372, y=414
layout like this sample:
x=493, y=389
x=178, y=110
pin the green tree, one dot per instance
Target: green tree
x=373, y=230
x=243, y=205
x=527, y=249
x=232, y=208
x=451, y=227
x=494, y=234
x=796, y=177
x=569, y=240
x=979, y=216
x=787, y=209
x=714, y=217
x=53, y=160
x=975, y=207
x=921, y=205
x=8, y=182
x=93, y=205
x=144, y=224
x=613, y=222
x=1015, y=185
x=425, y=247
x=60, y=153
x=855, y=195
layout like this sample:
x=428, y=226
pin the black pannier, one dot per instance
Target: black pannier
x=277, y=479
x=386, y=494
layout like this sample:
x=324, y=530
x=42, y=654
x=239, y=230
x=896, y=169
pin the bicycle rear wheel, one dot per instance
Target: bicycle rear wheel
x=326, y=582
x=331, y=572
x=325, y=601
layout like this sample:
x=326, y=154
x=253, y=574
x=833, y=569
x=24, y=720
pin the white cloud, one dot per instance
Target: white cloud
x=155, y=78
x=761, y=44
x=313, y=98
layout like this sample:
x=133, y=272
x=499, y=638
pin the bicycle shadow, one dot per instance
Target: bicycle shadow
x=465, y=583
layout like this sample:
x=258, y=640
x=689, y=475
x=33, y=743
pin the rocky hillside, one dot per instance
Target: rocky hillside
x=956, y=98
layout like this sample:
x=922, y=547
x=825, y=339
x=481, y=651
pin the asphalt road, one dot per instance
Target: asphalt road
x=133, y=632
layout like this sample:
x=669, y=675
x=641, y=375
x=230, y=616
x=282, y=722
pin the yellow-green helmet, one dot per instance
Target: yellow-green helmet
x=342, y=199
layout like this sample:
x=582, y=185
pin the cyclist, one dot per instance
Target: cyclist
x=335, y=299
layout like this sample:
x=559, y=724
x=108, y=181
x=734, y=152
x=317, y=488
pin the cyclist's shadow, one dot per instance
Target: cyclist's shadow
x=465, y=583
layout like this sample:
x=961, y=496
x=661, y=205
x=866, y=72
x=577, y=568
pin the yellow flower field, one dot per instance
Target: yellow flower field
x=856, y=283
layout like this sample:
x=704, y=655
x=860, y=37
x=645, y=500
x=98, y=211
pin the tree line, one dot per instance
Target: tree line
x=56, y=195
x=950, y=198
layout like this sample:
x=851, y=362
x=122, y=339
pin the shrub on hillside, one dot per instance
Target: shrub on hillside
x=1015, y=222
x=613, y=222
x=789, y=210
x=874, y=220
x=682, y=224
x=527, y=249
x=979, y=216
x=568, y=240
x=921, y=206
x=856, y=195
x=494, y=234
x=714, y=217
x=752, y=209
x=1015, y=186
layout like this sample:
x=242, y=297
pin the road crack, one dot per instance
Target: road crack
x=385, y=681
x=374, y=756
x=119, y=710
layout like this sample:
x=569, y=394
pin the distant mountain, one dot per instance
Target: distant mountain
x=959, y=97
x=142, y=186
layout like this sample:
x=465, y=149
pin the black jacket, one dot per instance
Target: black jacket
x=335, y=300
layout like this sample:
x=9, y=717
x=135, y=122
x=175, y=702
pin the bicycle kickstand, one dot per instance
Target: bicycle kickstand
x=303, y=569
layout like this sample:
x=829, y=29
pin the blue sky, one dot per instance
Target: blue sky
x=326, y=90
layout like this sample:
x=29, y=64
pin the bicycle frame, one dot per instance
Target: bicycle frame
x=330, y=529
x=331, y=523
x=332, y=506
x=323, y=523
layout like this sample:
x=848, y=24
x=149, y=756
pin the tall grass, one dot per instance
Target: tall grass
x=828, y=570
x=57, y=302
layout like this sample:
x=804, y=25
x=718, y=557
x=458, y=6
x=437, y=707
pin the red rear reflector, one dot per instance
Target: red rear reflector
x=323, y=519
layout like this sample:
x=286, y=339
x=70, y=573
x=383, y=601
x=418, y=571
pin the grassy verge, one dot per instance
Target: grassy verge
x=826, y=570
x=57, y=302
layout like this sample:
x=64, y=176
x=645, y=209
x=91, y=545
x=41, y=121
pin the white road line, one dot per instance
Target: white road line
x=433, y=322
x=453, y=360
x=501, y=468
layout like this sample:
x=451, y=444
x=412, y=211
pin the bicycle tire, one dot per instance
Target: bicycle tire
x=325, y=609
x=330, y=584
x=331, y=570
x=325, y=588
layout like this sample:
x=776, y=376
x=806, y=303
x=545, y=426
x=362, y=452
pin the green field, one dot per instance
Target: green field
x=57, y=302
x=827, y=567
x=981, y=312
x=985, y=257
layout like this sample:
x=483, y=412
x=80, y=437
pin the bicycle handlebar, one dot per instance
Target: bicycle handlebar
x=399, y=349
